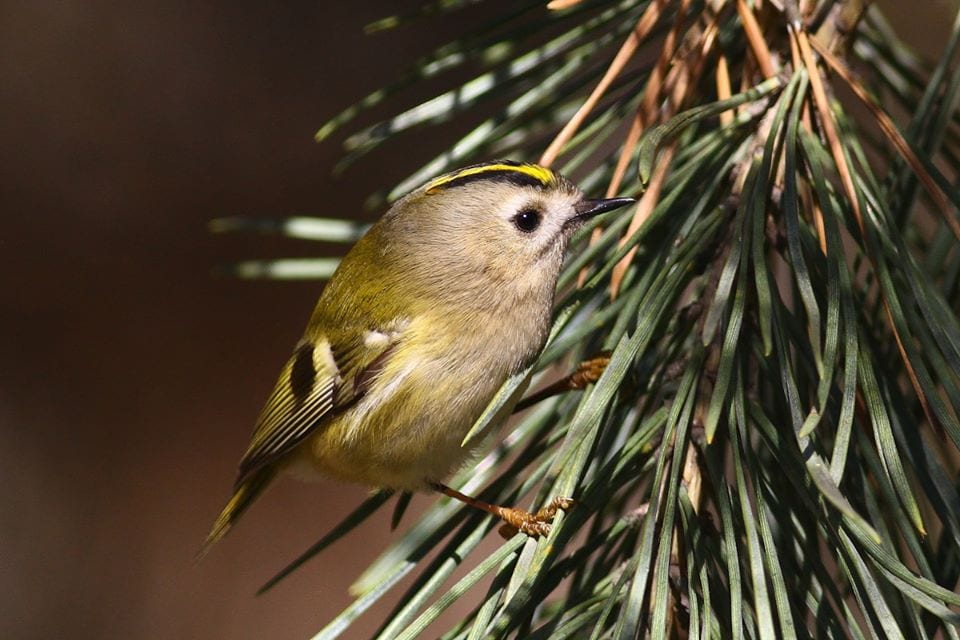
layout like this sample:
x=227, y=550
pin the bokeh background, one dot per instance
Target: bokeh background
x=129, y=374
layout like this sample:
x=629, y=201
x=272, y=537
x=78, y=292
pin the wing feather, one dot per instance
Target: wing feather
x=320, y=379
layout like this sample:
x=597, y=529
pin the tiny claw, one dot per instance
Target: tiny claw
x=532, y=524
x=589, y=371
x=535, y=529
x=557, y=504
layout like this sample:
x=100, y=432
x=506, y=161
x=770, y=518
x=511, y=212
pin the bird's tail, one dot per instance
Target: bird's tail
x=243, y=497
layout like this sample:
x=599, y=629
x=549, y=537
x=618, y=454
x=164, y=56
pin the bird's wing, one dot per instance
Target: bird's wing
x=323, y=377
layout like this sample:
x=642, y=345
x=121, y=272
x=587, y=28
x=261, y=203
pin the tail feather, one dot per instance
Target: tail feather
x=243, y=497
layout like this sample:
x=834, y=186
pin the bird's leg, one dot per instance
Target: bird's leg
x=587, y=372
x=533, y=524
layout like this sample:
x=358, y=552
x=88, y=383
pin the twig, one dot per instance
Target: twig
x=652, y=91
x=827, y=121
x=756, y=40
x=678, y=86
x=893, y=134
x=644, y=208
x=797, y=63
x=846, y=178
x=914, y=381
x=841, y=24
x=682, y=77
x=626, y=154
x=646, y=22
x=723, y=89
x=646, y=113
x=559, y=5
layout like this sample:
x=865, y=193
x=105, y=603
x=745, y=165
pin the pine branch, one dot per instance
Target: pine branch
x=771, y=450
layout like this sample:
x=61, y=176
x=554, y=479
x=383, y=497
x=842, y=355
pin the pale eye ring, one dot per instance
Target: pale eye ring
x=527, y=220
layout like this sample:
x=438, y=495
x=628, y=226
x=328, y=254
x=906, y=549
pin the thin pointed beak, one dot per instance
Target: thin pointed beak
x=586, y=209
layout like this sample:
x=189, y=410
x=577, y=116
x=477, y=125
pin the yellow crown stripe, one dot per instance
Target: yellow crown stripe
x=542, y=174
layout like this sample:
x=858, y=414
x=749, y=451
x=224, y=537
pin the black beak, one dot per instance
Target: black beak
x=586, y=209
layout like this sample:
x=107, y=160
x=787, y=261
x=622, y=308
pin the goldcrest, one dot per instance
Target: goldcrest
x=429, y=313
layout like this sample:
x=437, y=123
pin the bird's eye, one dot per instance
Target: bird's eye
x=527, y=220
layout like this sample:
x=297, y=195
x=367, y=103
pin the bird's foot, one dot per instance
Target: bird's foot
x=532, y=524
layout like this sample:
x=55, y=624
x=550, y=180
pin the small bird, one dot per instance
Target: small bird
x=444, y=298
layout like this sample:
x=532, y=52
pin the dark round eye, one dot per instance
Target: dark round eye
x=527, y=220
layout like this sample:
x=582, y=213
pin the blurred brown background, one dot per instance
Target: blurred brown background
x=129, y=376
